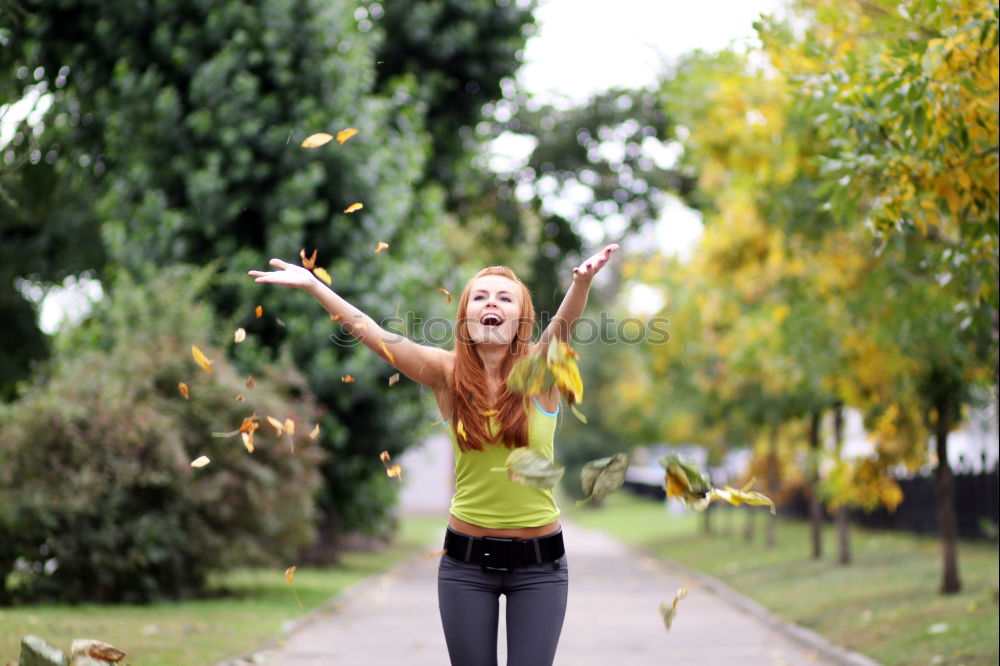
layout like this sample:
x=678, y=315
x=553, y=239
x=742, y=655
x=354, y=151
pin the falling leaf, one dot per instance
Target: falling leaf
x=354, y=207
x=200, y=461
x=742, y=496
x=279, y=322
x=240, y=398
x=308, y=262
x=393, y=379
x=277, y=425
x=460, y=427
x=347, y=379
x=437, y=553
x=316, y=140
x=394, y=472
x=290, y=575
x=381, y=246
x=490, y=412
x=530, y=468
x=685, y=481
x=578, y=414
x=447, y=294
x=314, y=433
x=250, y=382
x=337, y=317
x=247, y=441
x=384, y=456
x=290, y=427
x=669, y=611
x=321, y=273
x=201, y=359
x=259, y=311
x=183, y=388
x=599, y=478
x=239, y=336
x=99, y=650
x=345, y=134
x=385, y=349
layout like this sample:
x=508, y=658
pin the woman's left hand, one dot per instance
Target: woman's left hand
x=588, y=269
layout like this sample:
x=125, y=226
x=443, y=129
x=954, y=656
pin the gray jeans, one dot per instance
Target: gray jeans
x=469, y=601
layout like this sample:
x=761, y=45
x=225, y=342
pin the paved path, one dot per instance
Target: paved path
x=613, y=618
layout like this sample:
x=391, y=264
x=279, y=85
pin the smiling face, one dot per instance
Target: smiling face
x=493, y=311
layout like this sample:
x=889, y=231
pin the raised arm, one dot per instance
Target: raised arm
x=424, y=365
x=571, y=308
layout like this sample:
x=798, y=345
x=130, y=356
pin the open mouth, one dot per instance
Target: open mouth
x=490, y=319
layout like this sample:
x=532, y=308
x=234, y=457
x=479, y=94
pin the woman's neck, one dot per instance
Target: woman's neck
x=493, y=357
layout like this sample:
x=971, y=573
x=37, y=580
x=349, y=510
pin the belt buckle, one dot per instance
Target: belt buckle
x=498, y=554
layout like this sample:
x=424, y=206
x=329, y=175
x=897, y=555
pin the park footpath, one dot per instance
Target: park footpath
x=613, y=617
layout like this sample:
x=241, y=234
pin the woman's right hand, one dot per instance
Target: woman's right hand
x=287, y=275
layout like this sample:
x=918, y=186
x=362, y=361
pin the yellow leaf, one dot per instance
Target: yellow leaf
x=347, y=379
x=323, y=275
x=437, y=553
x=290, y=427
x=386, y=351
x=381, y=246
x=354, y=207
x=290, y=575
x=259, y=311
x=337, y=317
x=670, y=611
x=310, y=262
x=490, y=412
x=460, y=428
x=384, y=456
x=393, y=379
x=247, y=441
x=200, y=461
x=239, y=336
x=240, y=398
x=447, y=294
x=345, y=134
x=183, y=388
x=316, y=140
x=394, y=472
x=276, y=424
x=314, y=433
x=201, y=359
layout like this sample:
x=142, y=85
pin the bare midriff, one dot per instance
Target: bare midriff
x=514, y=533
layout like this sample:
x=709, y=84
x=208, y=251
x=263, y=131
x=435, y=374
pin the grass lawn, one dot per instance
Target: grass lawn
x=885, y=604
x=206, y=631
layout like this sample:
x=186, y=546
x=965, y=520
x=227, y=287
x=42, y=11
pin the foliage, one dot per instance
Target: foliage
x=98, y=500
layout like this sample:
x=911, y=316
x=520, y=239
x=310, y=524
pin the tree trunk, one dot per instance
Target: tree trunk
x=815, y=508
x=843, y=522
x=948, y=523
x=843, y=536
x=772, y=485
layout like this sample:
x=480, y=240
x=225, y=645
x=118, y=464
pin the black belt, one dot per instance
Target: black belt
x=501, y=555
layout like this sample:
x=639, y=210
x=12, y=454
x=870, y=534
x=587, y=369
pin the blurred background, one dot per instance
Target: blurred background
x=805, y=193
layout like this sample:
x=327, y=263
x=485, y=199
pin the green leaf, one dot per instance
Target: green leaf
x=599, y=478
x=530, y=468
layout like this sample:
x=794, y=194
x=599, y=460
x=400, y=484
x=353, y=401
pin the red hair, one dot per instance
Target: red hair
x=470, y=395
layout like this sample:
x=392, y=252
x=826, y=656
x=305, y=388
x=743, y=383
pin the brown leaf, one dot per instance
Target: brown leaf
x=321, y=273
x=381, y=246
x=277, y=425
x=183, y=388
x=393, y=379
x=446, y=293
x=290, y=575
x=316, y=140
x=201, y=359
x=384, y=456
x=386, y=351
x=200, y=461
x=345, y=134
x=240, y=398
x=308, y=262
x=347, y=379
x=250, y=382
x=88, y=647
x=354, y=207
x=259, y=311
x=247, y=441
x=337, y=317
x=314, y=433
x=239, y=336
x=394, y=472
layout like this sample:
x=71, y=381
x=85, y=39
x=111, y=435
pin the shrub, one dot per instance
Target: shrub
x=98, y=500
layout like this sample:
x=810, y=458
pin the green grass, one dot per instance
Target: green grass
x=882, y=605
x=206, y=631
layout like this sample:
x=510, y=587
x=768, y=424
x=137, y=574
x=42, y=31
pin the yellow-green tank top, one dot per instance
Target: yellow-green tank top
x=490, y=499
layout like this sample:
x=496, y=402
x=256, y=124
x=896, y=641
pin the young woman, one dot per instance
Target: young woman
x=502, y=537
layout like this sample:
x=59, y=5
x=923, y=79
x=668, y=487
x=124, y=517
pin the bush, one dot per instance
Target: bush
x=98, y=500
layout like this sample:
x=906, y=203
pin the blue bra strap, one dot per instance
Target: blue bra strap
x=542, y=410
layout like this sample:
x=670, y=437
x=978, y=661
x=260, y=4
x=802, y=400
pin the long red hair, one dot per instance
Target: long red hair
x=470, y=396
